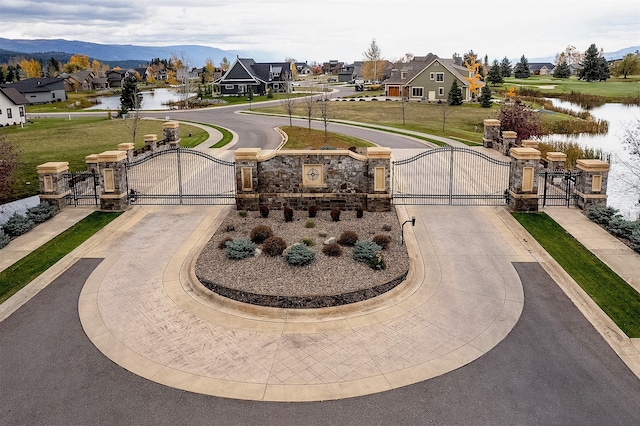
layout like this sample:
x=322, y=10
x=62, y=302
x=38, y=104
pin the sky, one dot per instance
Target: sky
x=343, y=30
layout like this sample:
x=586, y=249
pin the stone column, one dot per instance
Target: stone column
x=113, y=179
x=379, y=177
x=92, y=163
x=150, y=142
x=128, y=149
x=170, y=130
x=556, y=160
x=523, y=185
x=508, y=141
x=53, y=183
x=591, y=183
x=247, y=195
x=491, y=132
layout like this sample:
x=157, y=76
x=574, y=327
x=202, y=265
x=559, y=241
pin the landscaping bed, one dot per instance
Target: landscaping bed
x=326, y=281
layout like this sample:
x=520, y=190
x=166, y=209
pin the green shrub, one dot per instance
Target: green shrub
x=274, y=246
x=348, y=238
x=382, y=240
x=635, y=239
x=4, y=239
x=620, y=227
x=364, y=251
x=601, y=215
x=332, y=249
x=41, y=213
x=299, y=255
x=260, y=233
x=240, y=248
x=377, y=262
x=18, y=225
x=242, y=213
x=309, y=242
x=310, y=224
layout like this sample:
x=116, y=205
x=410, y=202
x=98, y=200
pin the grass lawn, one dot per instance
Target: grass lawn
x=616, y=298
x=303, y=138
x=61, y=139
x=614, y=88
x=31, y=266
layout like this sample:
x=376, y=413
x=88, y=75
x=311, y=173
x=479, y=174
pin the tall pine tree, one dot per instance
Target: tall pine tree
x=494, y=76
x=485, y=97
x=562, y=70
x=131, y=98
x=521, y=70
x=505, y=67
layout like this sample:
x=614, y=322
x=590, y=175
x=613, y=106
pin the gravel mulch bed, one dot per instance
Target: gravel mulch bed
x=327, y=281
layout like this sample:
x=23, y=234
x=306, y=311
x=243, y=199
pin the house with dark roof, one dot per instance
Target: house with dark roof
x=541, y=68
x=246, y=75
x=40, y=90
x=12, y=104
x=428, y=78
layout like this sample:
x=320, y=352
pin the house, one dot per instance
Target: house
x=116, y=77
x=79, y=81
x=246, y=75
x=347, y=74
x=428, y=78
x=40, y=90
x=332, y=67
x=303, y=68
x=541, y=68
x=12, y=104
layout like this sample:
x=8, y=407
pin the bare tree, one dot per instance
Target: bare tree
x=132, y=121
x=631, y=143
x=324, y=112
x=372, y=67
x=182, y=66
x=309, y=107
x=445, y=112
x=289, y=105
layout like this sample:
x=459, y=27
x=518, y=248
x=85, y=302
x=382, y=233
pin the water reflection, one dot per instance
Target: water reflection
x=156, y=99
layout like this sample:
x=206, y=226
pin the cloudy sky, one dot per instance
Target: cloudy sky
x=334, y=29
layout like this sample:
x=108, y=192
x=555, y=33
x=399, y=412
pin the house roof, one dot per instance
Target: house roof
x=14, y=96
x=252, y=71
x=31, y=85
x=411, y=68
x=535, y=66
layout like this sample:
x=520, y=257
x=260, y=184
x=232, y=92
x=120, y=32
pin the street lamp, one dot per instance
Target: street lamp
x=413, y=223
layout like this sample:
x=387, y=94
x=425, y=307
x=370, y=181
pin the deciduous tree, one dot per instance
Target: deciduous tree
x=76, y=63
x=570, y=55
x=518, y=118
x=629, y=65
x=473, y=66
x=31, y=68
x=224, y=64
x=373, y=65
x=9, y=156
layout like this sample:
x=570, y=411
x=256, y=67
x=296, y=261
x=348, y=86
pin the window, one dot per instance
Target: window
x=440, y=91
x=439, y=76
x=417, y=92
x=432, y=76
x=403, y=75
x=9, y=113
x=21, y=111
x=53, y=95
x=229, y=86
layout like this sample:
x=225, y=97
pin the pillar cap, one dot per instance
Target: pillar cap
x=247, y=153
x=125, y=146
x=53, y=167
x=171, y=125
x=151, y=137
x=525, y=153
x=491, y=122
x=509, y=134
x=556, y=156
x=91, y=158
x=528, y=143
x=379, y=152
x=111, y=156
x=592, y=165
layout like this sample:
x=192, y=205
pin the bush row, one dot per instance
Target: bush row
x=612, y=221
x=312, y=212
x=19, y=224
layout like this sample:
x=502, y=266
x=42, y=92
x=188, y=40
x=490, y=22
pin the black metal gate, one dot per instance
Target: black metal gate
x=181, y=176
x=83, y=188
x=451, y=176
x=557, y=187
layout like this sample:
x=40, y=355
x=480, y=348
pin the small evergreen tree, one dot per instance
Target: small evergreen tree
x=494, y=76
x=562, y=70
x=594, y=66
x=455, y=95
x=131, y=98
x=505, y=67
x=521, y=70
x=485, y=97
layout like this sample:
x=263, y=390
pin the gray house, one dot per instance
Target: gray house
x=246, y=75
x=40, y=90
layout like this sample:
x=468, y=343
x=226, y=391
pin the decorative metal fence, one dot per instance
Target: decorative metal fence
x=83, y=188
x=557, y=187
x=181, y=176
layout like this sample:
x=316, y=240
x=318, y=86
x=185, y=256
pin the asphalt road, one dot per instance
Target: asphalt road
x=553, y=368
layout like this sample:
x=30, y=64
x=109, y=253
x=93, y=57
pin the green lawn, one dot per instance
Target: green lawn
x=303, y=138
x=60, y=139
x=613, y=88
x=31, y=266
x=616, y=298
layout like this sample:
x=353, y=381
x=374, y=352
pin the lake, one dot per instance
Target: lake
x=156, y=99
x=620, y=117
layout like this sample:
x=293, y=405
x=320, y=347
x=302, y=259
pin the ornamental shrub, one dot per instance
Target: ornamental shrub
x=41, y=213
x=310, y=224
x=274, y=246
x=4, y=239
x=364, y=251
x=335, y=214
x=264, y=211
x=299, y=255
x=223, y=243
x=242, y=213
x=601, y=215
x=382, y=240
x=288, y=214
x=332, y=249
x=260, y=233
x=309, y=242
x=620, y=227
x=635, y=240
x=18, y=225
x=348, y=238
x=359, y=213
x=240, y=248
x=313, y=211
x=377, y=262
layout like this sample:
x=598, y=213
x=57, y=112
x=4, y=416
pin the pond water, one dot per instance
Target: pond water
x=156, y=99
x=620, y=118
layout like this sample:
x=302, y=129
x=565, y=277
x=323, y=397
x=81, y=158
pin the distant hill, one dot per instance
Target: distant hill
x=115, y=54
x=608, y=55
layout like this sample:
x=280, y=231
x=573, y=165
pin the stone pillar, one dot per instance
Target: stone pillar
x=170, y=130
x=113, y=179
x=591, y=183
x=508, y=141
x=54, y=185
x=379, y=177
x=128, y=149
x=92, y=163
x=556, y=160
x=491, y=132
x=150, y=142
x=523, y=185
x=247, y=195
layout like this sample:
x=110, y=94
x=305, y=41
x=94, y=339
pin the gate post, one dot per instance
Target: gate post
x=556, y=160
x=127, y=147
x=113, y=179
x=523, y=185
x=247, y=195
x=51, y=180
x=170, y=131
x=508, y=141
x=379, y=171
x=151, y=142
x=591, y=184
x=491, y=132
